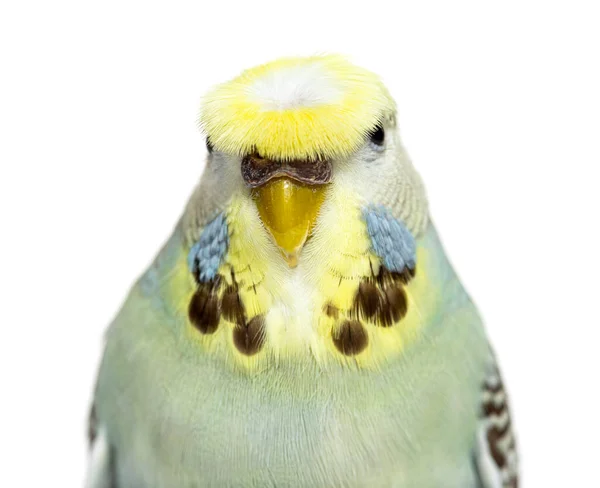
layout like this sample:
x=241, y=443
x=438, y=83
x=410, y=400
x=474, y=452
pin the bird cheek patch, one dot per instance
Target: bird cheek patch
x=367, y=285
x=219, y=296
x=204, y=259
x=206, y=255
x=390, y=239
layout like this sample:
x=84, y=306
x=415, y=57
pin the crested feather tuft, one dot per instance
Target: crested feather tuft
x=296, y=108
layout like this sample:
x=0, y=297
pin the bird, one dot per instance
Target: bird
x=302, y=326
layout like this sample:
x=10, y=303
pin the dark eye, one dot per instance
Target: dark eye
x=377, y=135
x=209, y=146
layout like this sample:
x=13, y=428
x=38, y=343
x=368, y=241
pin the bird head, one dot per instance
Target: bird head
x=289, y=133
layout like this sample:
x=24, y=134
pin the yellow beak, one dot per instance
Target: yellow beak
x=289, y=210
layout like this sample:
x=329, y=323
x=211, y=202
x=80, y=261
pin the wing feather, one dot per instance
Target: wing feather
x=496, y=453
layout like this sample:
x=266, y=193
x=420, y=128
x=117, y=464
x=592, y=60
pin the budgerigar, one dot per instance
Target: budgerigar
x=302, y=326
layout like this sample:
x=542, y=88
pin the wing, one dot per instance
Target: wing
x=495, y=451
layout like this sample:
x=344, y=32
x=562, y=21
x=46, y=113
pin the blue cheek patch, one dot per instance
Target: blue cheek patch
x=390, y=238
x=206, y=255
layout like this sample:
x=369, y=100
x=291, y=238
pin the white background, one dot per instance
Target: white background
x=498, y=105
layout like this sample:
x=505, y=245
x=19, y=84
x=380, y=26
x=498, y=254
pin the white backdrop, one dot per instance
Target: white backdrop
x=498, y=105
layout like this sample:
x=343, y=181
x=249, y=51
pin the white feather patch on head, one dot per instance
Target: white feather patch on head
x=296, y=108
x=295, y=87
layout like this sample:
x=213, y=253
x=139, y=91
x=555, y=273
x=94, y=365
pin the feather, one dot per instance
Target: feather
x=296, y=108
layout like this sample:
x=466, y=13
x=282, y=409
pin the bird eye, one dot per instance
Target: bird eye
x=209, y=146
x=377, y=135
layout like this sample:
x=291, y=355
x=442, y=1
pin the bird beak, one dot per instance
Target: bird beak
x=288, y=196
x=289, y=210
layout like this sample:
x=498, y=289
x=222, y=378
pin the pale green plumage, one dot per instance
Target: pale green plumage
x=178, y=418
x=415, y=401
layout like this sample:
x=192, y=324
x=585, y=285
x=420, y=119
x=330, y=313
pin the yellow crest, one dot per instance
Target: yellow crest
x=296, y=108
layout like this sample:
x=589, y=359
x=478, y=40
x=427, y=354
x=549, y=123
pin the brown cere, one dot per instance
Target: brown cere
x=203, y=310
x=350, y=338
x=256, y=170
x=249, y=338
x=232, y=307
